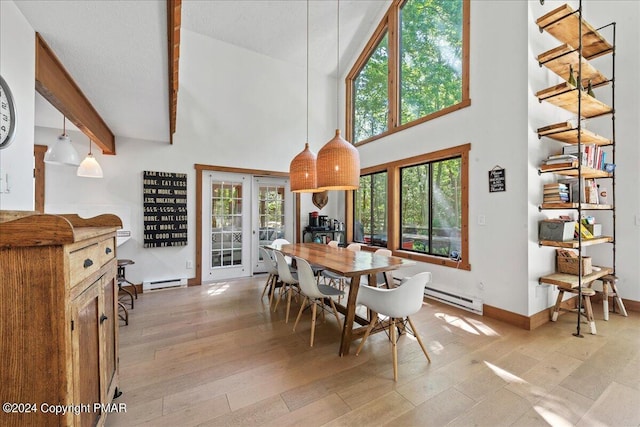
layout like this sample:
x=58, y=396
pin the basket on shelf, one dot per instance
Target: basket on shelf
x=570, y=265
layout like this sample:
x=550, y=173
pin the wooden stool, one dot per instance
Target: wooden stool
x=587, y=293
x=609, y=289
x=122, y=263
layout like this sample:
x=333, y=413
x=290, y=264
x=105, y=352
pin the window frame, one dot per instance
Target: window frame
x=390, y=25
x=393, y=206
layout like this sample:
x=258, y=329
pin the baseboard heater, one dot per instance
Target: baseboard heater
x=471, y=304
x=156, y=285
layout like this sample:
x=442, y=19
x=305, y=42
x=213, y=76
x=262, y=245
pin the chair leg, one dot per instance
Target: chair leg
x=313, y=321
x=394, y=348
x=124, y=318
x=304, y=302
x=374, y=319
x=415, y=334
x=126, y=291
x=589, y=310
x=617, y=298
x=556, y=308
x=283, y=292
x=286, y=317
x=335, y=312
x=266, y=285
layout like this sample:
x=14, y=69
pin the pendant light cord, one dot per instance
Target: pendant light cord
x=338, y=67
x=307, y=70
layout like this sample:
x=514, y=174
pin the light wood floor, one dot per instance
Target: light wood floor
x=215, y=355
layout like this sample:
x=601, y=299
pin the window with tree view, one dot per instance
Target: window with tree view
x=370, y=210
x=414, y=68
x=431, y=57
x=370, y=88
x=431, y=208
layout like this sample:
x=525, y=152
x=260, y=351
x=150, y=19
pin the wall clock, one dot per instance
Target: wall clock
x=7, y=115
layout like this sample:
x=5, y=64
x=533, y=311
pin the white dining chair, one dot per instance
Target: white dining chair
x=279, y=242
x=337, y=280
x=381, y=277
x=396, y=304
x=272, y=270
x=314, y=294
x=289, y=281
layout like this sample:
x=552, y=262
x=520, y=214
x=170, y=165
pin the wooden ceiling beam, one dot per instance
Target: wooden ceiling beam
x=57, y=86
x=174, y=20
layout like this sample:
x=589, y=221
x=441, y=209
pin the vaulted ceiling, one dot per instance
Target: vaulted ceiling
x=116, y=50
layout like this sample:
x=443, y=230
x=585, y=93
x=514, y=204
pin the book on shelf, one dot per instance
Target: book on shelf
x=589, y=190
x=561, y=165
x=591, y=155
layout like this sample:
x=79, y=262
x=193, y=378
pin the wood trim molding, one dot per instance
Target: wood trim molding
x=174, y=21
x=57, y=86
x=39, y=176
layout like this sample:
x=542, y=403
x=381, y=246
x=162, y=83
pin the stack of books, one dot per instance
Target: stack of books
x=556, y=192
x=559, y=161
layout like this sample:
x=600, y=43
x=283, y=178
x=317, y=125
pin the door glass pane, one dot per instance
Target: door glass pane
x=271, y=209
x=226, y=223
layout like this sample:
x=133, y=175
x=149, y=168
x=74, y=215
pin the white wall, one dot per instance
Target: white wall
x=17, y=67
x=495, y=125
x=252, y=115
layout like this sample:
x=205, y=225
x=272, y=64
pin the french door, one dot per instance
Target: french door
x=241, y=212
x=272, y=215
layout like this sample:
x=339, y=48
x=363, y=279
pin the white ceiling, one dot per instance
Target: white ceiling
x=116, y=50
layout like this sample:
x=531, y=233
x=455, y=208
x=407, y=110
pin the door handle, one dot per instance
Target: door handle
x=103, y=318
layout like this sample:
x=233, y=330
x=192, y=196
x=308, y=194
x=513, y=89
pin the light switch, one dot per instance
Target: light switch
x=482, y=220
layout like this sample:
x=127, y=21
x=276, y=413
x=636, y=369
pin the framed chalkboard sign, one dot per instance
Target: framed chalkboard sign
x=165, y=209
x=497, y=180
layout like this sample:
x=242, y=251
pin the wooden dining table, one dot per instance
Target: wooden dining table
x=353, y=265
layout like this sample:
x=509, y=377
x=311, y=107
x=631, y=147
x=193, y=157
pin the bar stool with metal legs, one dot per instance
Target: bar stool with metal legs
x=121, y=276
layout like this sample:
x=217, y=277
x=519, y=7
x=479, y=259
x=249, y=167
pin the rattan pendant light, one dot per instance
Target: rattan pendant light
x=302, y=169
x=338, y=162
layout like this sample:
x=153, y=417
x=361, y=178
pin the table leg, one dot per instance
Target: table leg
x=349, y=317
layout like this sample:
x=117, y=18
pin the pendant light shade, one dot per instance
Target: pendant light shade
x=302, y=172
x=89, y=168
x=62, y=152
x=302, y=169
x=338, y=165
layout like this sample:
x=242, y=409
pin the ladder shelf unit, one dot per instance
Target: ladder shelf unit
x=580, y=43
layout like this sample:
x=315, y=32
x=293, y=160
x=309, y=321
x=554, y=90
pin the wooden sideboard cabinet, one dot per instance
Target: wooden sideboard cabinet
x=58, y=318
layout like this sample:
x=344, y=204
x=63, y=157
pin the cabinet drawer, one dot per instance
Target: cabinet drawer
x=107, y=250
x=84, y=262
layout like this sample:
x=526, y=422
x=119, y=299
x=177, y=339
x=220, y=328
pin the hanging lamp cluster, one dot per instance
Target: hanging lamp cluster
x=337, y=165
x=63, y=153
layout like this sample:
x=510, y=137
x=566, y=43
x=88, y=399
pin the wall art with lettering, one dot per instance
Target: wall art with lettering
x=165, y=209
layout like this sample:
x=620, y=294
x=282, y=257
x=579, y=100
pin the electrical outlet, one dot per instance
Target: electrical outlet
x=189, y=264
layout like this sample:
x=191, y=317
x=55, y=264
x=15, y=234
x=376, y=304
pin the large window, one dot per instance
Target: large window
x=370, y=210
x=414, y=68
x=430, y=211
x=417, y=207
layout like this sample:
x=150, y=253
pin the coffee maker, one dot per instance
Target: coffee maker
x=323, y=222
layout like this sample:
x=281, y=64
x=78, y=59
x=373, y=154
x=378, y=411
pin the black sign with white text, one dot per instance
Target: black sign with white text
x=165, y=209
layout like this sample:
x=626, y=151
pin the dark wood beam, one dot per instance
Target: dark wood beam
x=57, y=86
x=174, y=19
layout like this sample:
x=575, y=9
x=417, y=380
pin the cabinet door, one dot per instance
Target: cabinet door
x=109, y=333
x=86, y=353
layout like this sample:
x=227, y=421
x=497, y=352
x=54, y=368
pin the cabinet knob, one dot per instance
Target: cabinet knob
x=103, y=318
x=108, y=251
x=87, y=263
